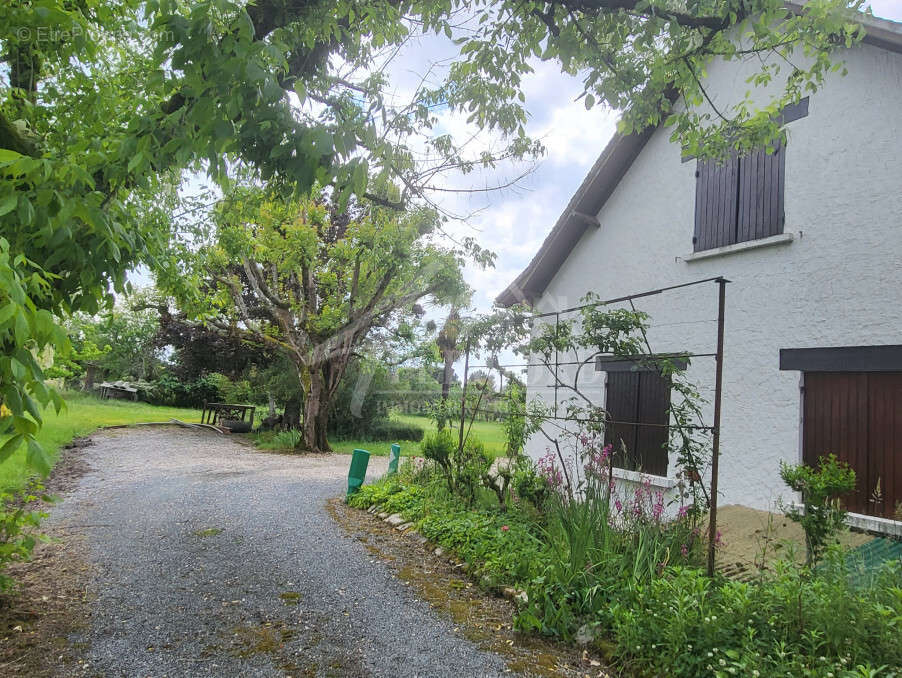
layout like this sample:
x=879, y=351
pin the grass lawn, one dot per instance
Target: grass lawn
x=490, y=433
x=84, y=414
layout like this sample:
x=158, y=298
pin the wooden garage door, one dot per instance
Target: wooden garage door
x=858, y=417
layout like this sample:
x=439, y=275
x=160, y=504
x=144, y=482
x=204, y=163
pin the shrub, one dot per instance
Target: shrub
x=279, y=440
x=685, y=624
x=394, y=431
x=361, y=402
x=233, y=391
x=821, y=516
x=463, y=467
x=169, y=390
x=17, y=525
x=502, y=547
x=528, y=484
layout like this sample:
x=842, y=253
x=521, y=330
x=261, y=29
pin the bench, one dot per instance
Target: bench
x=215, y=413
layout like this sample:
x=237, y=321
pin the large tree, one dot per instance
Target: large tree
x=321, y=284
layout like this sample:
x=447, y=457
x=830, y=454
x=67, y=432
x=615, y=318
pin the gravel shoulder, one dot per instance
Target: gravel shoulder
x=201, y=556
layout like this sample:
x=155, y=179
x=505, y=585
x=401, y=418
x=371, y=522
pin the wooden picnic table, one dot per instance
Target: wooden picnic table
x=213, y=413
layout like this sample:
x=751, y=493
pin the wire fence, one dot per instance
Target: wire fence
x=674, y=330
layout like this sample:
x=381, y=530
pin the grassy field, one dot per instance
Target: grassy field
x=490, y=433
x=83, y=415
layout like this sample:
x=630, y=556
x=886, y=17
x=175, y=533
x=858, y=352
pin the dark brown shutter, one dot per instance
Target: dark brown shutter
x=858, y=417
x=760, y=207
x=884, y=481
x=715, y=203
x=654, y=411
x=638, y=404
x=622, y=404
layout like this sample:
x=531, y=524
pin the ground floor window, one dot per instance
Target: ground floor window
x=637, y=403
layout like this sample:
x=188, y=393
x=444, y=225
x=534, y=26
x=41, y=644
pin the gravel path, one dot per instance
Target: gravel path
x=213, y=559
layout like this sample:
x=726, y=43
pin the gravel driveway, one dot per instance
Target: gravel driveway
x=213, y=559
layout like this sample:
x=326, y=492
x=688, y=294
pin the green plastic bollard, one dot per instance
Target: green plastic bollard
x=359, y=461
x=393, y=458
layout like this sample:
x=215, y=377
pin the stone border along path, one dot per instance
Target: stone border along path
x=210, y=558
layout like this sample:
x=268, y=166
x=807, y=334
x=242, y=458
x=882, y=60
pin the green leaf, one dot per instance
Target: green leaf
x=10, y=446
x=8, y=204
x=7, y=156
x=36, y=458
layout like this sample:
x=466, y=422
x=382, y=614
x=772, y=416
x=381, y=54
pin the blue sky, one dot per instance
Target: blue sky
x=513, y=222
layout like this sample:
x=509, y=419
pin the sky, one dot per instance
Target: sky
x=513, y=222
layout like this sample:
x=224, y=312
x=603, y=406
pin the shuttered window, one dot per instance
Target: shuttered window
x=739, y=199
x=638, y=407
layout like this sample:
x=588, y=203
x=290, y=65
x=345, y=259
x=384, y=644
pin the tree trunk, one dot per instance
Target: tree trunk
x=311, y=380
x=446, y=385
x=292, y=417
x=319, y=384
x=90, y=372
x=322, y=422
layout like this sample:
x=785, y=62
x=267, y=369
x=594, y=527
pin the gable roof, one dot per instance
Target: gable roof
x=604, y=176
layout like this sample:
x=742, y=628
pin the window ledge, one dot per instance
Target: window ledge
x=781, y=239
x=638, y=477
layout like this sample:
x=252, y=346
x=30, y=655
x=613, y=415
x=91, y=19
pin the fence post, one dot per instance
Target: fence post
x=715, y=443
x=463, y=398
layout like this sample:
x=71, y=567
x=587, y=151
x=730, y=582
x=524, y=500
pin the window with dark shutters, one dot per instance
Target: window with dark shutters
x=638, y=407
x=739, y=199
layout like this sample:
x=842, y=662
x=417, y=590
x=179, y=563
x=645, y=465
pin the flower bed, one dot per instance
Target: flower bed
x=626, y=583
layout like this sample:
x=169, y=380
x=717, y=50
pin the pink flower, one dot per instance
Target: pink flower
x=658, y=508
x=618, y=505
x=681, y=513
x=684, y=549
x=504, y=528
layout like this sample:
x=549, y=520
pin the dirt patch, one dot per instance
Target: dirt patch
x=50, y=601
x=482, y=618
x=754, y=539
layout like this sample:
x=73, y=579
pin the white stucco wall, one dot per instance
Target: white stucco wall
x=836, y=284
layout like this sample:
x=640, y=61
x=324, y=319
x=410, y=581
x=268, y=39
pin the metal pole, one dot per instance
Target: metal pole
x=715, y=443
x=463, y=397
x=557, y=320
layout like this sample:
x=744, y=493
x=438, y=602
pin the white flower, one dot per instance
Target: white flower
x=721, y=662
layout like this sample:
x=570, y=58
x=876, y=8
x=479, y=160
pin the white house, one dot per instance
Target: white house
x=810, y=239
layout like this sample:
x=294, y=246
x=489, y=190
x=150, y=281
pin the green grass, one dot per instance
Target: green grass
x=84, y=414
x=490, y=433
